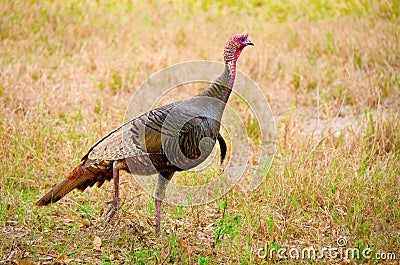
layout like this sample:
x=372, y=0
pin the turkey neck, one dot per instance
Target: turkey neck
x=221, y=88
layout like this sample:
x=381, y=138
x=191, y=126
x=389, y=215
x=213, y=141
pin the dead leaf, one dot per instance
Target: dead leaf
x=85, y=222
x=183, y=245
x=97, y=242
x=25, y=262
x=150, y=221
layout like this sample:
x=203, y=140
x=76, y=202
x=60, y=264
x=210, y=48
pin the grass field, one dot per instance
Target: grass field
x=329, y=69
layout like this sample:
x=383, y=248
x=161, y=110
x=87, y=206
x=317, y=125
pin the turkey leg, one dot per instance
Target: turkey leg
x=115, y=202
x=163, y=179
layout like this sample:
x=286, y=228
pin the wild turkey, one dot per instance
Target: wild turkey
x=171, y=138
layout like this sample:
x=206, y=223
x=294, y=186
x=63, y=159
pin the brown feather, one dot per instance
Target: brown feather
x=80, y=178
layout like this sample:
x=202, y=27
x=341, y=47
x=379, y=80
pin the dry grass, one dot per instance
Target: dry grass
x=68, y=70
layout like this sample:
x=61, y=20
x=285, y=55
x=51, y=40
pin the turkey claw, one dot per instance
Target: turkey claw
x=112, y=210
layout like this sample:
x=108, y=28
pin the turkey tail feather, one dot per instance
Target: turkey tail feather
x=80, y=178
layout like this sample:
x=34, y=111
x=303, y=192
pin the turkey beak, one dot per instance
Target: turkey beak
x=248, y=42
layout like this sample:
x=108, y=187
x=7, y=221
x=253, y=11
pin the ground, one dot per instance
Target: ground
x=329, y=70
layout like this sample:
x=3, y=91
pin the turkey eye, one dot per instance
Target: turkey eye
x=243, y=39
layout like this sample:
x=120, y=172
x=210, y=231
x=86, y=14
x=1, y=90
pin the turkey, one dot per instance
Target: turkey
x=174, y=137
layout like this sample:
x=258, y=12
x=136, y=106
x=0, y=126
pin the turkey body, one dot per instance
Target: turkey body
x=171, y=138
